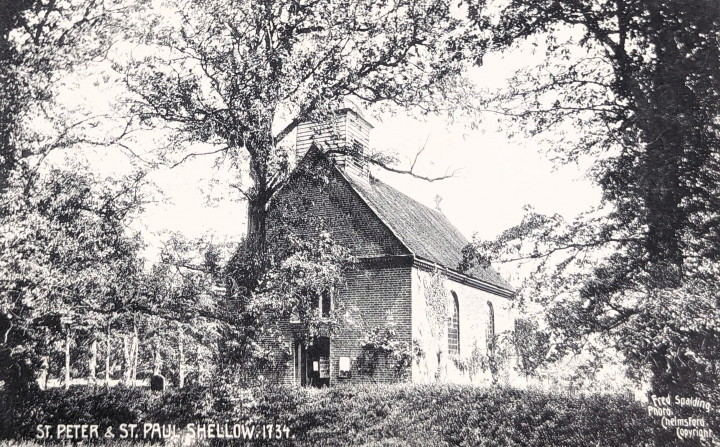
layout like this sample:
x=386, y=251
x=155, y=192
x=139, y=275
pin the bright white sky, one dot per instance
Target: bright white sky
x=495, y=179
x=495, y=176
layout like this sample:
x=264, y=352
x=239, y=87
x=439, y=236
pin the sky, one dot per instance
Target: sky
x=494, y=179
x=495, y=176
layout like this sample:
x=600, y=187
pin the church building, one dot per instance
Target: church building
x=408, y=277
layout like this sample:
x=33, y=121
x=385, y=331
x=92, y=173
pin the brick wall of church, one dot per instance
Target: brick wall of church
x=377, y=292
x=326, y=201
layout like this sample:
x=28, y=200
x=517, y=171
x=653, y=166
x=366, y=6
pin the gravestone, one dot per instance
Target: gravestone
x=157, y=382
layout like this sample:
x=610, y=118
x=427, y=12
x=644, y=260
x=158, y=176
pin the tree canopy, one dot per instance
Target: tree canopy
x=240, y=76
x=633, y=87
x=68, y=262
x=40, y=43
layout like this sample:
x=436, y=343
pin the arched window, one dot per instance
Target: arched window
x=490, y=332
x=454, y=327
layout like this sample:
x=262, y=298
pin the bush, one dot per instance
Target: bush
x=104, y=407
x=462, y=415
x=404, y=414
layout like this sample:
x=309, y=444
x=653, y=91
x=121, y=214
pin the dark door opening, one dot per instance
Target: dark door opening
x=312, y=363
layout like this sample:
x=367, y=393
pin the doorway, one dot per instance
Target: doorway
x=312, y=363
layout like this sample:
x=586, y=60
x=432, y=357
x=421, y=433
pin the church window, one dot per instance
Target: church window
x=490, y=333
x=454, y=327
x=325, y=304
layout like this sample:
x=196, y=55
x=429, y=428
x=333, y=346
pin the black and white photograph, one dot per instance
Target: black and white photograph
x=360, y=223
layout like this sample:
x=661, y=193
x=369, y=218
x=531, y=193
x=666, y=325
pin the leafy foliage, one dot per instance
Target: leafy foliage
x=381, y=347
x=296, y=288
x=105, y=407
x=638, y=83
x=67, y=259
x=417, y=415
x=436, y=299
x=532, y=346
x=238, y=77
x=40, y=41
x=297, y=284
x=473, y=364
x=179, y=309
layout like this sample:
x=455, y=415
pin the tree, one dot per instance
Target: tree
x=41, y=44
x=296, y=293
x=39, y=41
x=180, y=317
x=638, y=81
x=531, y=346
x=240, y=76
x=65, y=251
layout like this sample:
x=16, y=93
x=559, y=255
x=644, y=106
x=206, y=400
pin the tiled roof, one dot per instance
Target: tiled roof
x=427, y=233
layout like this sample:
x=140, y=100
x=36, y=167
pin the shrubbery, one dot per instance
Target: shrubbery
x=104, y=407
x=422, y=415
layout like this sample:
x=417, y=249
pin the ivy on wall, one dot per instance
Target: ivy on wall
x=382, y=346
x=474, y=364
x=436, y=306
x=436, y=300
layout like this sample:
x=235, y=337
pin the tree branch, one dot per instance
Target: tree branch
x=198, y=154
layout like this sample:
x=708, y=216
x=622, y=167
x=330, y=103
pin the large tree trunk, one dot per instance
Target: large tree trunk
x=257, y=226
x=256, y=243
x=257, y=205
x=256, y=219
x=664, y=157
x=10, y=108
